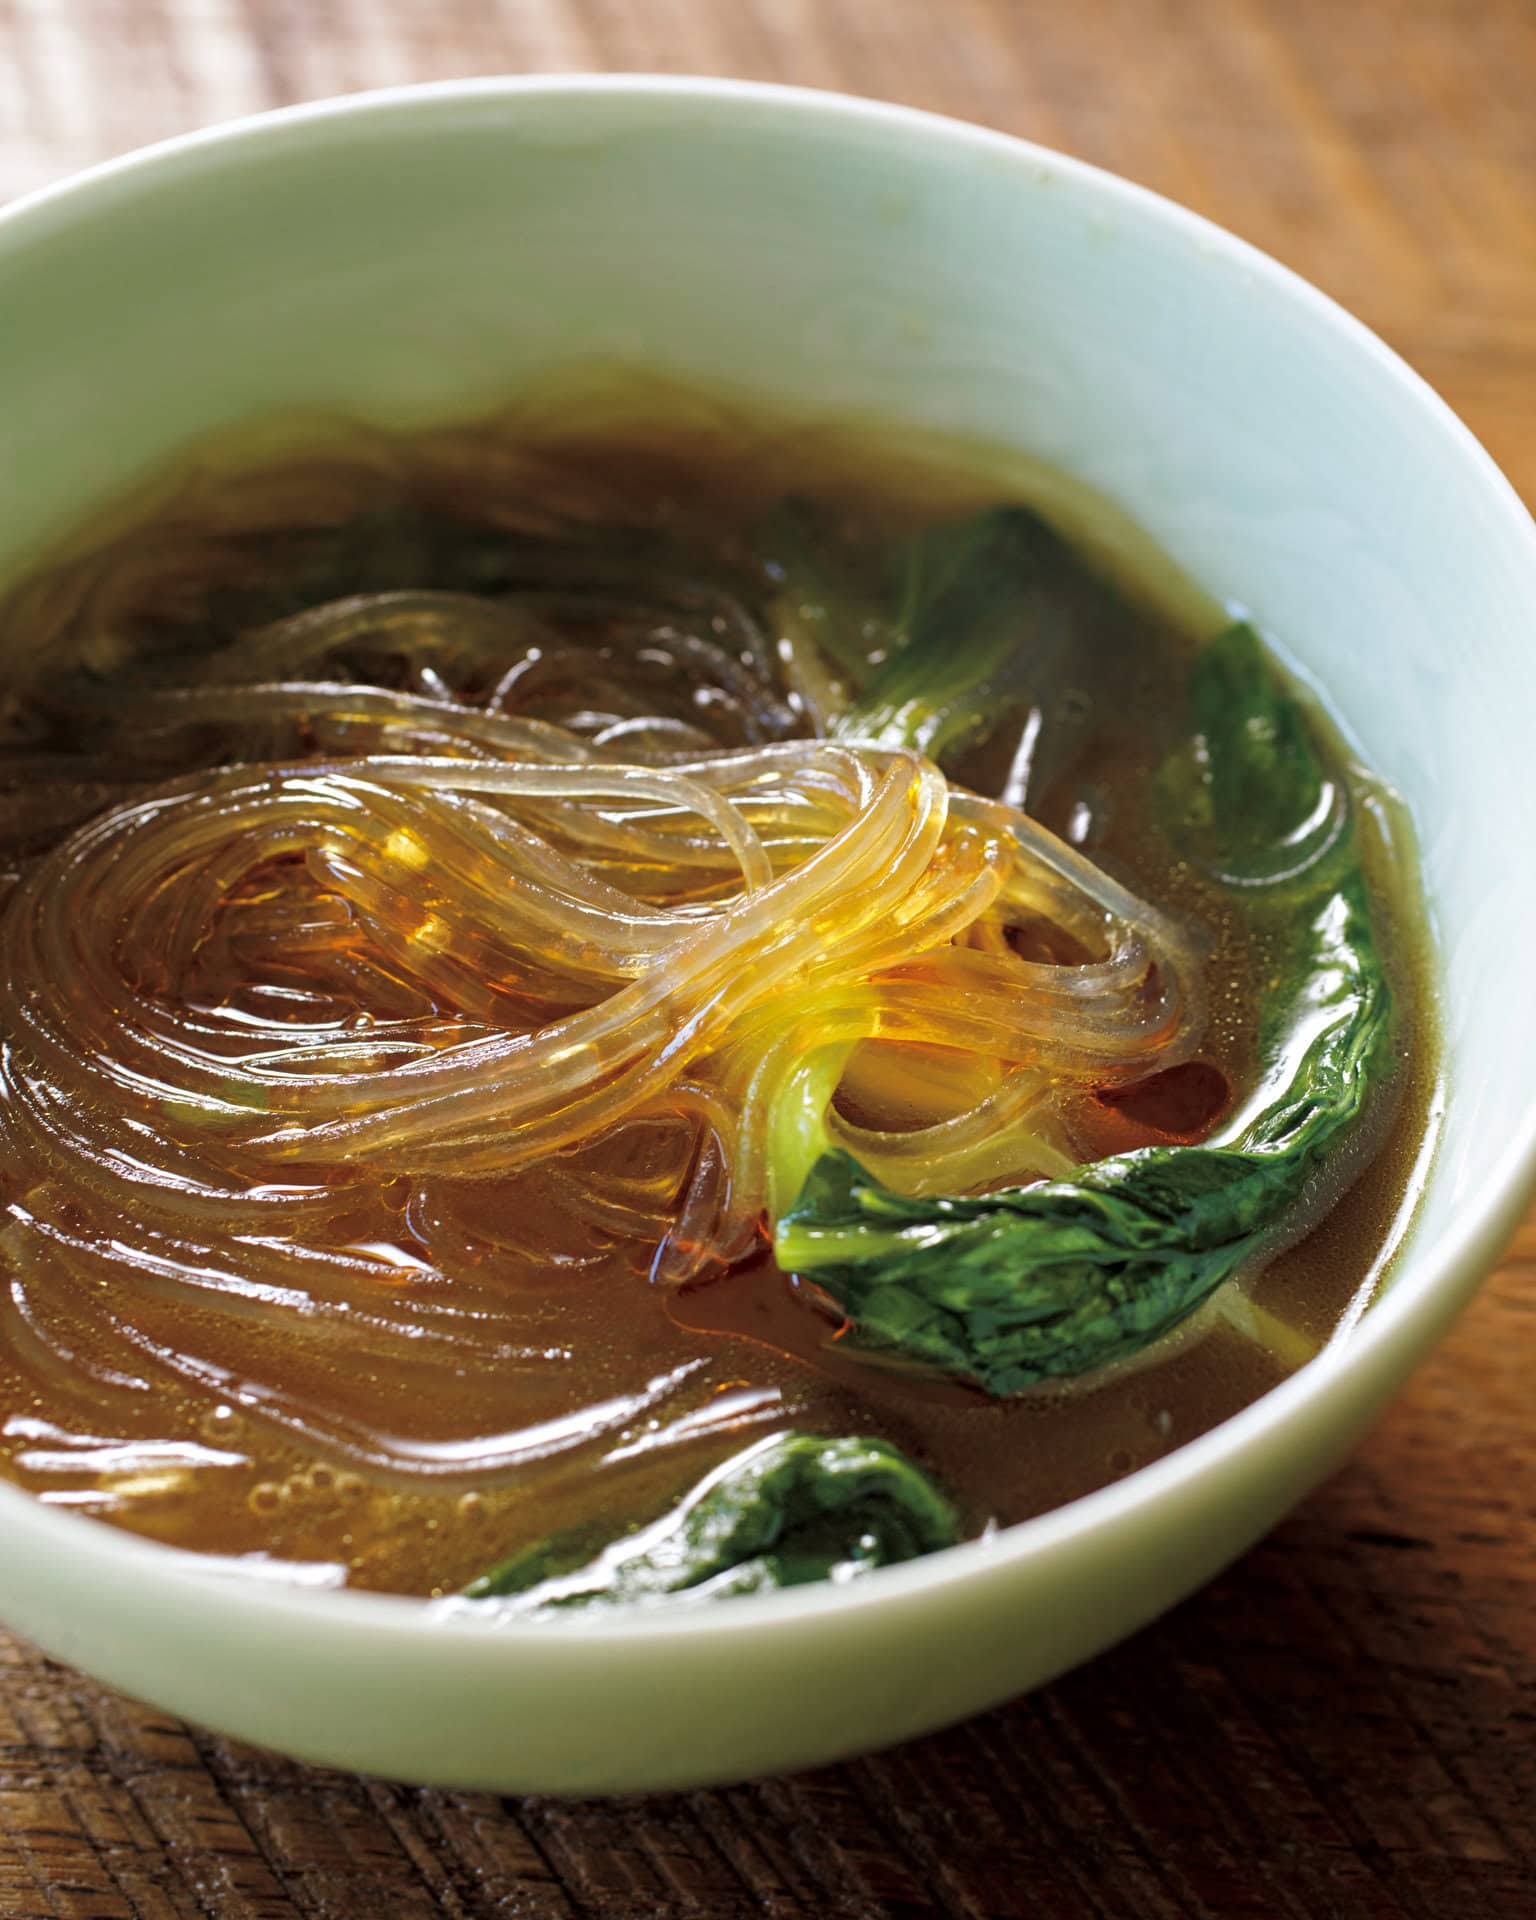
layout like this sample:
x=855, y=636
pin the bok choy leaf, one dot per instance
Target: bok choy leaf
x=789, y=1510
x=1041, y=1282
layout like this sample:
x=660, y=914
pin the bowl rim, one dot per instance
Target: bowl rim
x=1432, y=1283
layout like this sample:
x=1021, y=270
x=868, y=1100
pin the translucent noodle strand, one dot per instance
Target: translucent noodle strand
x=426, y=998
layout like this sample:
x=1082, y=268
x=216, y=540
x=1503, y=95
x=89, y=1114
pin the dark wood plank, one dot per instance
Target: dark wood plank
x=1343, y=1726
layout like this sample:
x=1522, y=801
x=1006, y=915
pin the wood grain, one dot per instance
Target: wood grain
x=1343, y=1726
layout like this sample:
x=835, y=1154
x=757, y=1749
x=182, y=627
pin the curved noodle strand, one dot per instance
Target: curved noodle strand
x=405, y=947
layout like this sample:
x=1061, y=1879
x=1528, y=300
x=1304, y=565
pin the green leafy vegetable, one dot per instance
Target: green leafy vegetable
x=1247, y=797
x=979, y=597
x=789, y=1510
x=1053, y=1280
x=1057, y=1279
x=1264, y=777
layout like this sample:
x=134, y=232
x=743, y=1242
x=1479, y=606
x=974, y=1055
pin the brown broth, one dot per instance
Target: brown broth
x=747, y=1353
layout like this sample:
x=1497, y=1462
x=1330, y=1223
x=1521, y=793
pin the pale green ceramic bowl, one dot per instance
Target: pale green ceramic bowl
x=407, y=256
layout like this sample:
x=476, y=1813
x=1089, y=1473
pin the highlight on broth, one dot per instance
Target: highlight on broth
x=602, y=1017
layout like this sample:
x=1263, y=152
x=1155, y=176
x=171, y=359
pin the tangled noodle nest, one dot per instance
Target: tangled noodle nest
x=487, y=931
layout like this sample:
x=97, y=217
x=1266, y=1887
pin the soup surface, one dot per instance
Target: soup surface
x=252, y=1308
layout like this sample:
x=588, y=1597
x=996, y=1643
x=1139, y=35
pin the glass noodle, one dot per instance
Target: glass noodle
x=518, y=941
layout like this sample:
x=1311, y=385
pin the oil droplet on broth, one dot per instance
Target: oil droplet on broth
x=221, y=1426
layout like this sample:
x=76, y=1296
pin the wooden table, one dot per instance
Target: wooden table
x=1345, y=1725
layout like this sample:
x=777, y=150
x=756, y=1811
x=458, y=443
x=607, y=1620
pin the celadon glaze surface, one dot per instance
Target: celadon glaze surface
x=410, y=257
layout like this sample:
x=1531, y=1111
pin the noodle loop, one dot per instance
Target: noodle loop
x=407, y=941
